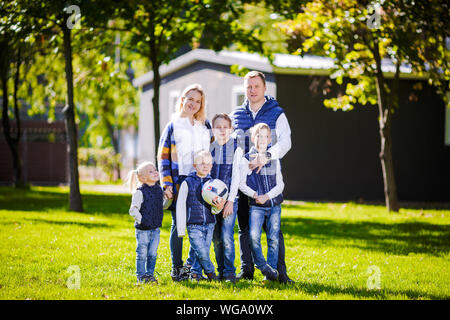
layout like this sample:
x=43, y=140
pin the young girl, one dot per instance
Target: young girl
x=147, y=210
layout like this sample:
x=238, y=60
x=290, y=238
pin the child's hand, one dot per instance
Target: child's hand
x=168, y=192
x=262, y=199
x=228, y=210
x=219, y=203
x=259, y=161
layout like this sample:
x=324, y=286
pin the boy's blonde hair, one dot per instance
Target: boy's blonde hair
x=202, y=155
x=201, y=113
x=133, y=176
x=258, y=127
x=222, y=116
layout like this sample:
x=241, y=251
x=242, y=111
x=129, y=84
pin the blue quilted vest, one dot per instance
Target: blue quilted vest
x=197, y=210
x=243, y=120
x=151, y=207
x=223, y=160
x=263, y=181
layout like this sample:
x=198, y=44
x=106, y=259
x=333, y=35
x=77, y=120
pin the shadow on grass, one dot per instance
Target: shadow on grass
x=89, y=225
x=316, y=288
x=33, y=200
x=395, y=238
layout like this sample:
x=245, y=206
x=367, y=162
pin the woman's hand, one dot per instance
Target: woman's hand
x=168, y=192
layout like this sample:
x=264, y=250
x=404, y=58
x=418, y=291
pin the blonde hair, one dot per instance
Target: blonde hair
x=133, y=176
x=201, y=113
x=202, y=155
x=257, y=128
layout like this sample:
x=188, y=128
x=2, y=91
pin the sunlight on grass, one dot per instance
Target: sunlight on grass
x=329, y=248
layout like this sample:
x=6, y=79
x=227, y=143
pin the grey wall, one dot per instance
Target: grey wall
x=335, y=154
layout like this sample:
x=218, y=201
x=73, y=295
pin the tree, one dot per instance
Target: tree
x=359, y=35
x=54, y=20
x=160, y=28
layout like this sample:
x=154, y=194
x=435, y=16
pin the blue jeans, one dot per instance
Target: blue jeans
x=200, y=237
x=146, y=251
x=223, y=240
x=271, y=216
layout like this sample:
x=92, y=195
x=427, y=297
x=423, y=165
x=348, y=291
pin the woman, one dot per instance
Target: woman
x=187, y=133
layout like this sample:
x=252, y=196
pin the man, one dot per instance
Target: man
x=259, y=108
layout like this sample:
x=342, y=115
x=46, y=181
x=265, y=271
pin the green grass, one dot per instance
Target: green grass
x=329, y=248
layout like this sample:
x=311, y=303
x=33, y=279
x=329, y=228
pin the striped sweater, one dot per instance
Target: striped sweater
x=168, y=162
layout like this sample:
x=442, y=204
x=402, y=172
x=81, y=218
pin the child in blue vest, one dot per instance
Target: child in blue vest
x=226, y=158
x=147, y=210
x=264, y=188
x=194, y=214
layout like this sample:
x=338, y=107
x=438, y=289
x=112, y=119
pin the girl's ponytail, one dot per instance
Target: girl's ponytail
x=132, y=180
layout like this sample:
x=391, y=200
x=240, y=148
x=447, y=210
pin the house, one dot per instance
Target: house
x=334, y=154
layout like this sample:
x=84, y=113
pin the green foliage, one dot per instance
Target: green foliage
x=329, y=249
x=105, y=158
x=239, y=70
x=341, y=30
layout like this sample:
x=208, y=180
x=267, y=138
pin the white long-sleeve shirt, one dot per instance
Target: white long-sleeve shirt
x=283, y=134
x=235, y=174
x=181, y=209
x=245, y=171
x=136, y=201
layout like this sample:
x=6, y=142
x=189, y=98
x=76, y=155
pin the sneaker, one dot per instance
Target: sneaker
x=150, y=278
x=184, y=272
x=244, y=274
x=212, y=276
x=283, y=278
x=174, y=273
x=270, y=273
x=195, y=277
x=230, y=278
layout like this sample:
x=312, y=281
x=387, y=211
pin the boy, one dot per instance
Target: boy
x=226, y=158
x=193, y=213
x=264, y=188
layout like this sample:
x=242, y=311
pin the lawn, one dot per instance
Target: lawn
x=333, y=251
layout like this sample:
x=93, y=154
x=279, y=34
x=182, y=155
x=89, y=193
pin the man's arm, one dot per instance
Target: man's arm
x=283, y=143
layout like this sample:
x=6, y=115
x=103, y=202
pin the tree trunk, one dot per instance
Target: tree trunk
x=75, y=202
x=385, y=123
x=13, y=143
x=156, y=85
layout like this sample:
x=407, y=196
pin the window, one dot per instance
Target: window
x=173, y=98
x=238, y=96
x=447, y=120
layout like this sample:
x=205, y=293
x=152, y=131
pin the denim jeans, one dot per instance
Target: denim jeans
x=146, y=251
x=271, y=216
x=223, y=240
x=176, y=243
x=200, y=237
x=245, y=247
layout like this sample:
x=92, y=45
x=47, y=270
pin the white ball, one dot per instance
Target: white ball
x=212, y=189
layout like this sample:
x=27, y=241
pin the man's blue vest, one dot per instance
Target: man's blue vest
x=222, y=168
x=151, y=207
x=243, y=120
x=263, y=181
x=197, y=210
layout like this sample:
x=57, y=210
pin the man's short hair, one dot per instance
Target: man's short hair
x=254, y=74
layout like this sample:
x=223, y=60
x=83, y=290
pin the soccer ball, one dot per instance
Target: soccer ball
x=211, y=190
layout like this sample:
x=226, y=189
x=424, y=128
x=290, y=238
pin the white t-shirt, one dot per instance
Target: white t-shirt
x=189, y=139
